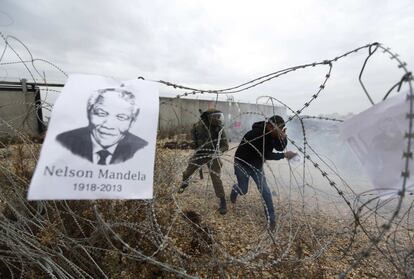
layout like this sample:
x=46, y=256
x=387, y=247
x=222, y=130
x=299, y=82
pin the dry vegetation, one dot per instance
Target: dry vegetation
x=172, y=235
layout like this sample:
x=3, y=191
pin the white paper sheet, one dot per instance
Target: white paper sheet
x=377, y=136
x=100, y=142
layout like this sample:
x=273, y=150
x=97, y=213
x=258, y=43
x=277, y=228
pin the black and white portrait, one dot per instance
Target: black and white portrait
x=100, y=141
x=106, y=140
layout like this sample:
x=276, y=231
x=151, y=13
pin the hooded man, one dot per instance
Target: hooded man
x=255, y=148
x=210, y=139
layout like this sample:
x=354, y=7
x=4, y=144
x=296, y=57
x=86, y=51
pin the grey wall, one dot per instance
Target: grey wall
x=178, y=115
x=18, y=113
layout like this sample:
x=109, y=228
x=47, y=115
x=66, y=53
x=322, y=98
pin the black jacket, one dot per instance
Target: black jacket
x=79, y=143
x=255, y=143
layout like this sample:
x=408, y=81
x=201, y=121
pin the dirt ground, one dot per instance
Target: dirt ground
x=314, y=236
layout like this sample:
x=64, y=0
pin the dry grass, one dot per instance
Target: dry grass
x=172, y=236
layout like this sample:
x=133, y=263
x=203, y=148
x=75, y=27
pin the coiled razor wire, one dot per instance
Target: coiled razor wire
x=320, y=232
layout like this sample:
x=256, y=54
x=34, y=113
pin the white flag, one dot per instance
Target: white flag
x=377, y=136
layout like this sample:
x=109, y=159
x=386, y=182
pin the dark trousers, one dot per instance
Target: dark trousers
x=243, y=173
x=214, y=168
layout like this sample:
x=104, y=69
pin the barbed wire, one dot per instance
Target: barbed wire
x=325, y=225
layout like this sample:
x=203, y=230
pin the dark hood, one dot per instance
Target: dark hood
x=259, y=126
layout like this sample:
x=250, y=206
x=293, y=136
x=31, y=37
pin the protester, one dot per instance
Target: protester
x=211, y=141
x=257, y=146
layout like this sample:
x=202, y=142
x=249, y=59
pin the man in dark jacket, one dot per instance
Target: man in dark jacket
x=210, y=139
x=257, y=146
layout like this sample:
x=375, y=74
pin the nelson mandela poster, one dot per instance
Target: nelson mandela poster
x=100, y=142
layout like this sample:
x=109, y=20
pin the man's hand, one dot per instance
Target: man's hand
x=281, y=133
x=290, y=154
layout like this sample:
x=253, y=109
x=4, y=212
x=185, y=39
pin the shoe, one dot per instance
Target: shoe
x=233, y=196
x=182, y=187
x=223, y=206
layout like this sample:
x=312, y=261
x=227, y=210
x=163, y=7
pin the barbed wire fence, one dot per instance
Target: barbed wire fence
x=325, y=226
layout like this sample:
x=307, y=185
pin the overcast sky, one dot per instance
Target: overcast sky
x=216, y=44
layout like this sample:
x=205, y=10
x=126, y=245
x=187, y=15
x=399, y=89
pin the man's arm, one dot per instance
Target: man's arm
x=224, y=143
x=203, y=135
x=194, y=135
x=274, y=156
x=280, y=144
x=278, y=156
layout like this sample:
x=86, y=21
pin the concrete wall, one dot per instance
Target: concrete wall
x=178, y=115
x=18, y=112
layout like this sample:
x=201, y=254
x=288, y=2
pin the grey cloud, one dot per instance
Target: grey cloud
x=188, y=43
